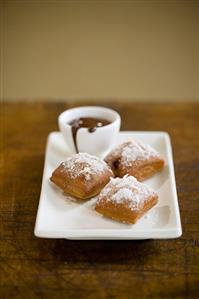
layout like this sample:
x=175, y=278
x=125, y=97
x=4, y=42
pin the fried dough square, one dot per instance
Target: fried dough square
x=82, y=175
x=125, y=200
x=136, y=159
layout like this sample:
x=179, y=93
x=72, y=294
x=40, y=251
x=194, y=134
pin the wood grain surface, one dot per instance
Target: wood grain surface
x=48, y=268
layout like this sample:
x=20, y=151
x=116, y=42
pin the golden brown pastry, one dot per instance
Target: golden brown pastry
x=82, y=175
x=125, y=199
x=136, y=159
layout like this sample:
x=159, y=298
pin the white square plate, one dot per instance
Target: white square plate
x=61, y=217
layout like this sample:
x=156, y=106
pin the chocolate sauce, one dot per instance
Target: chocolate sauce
x=86, y=122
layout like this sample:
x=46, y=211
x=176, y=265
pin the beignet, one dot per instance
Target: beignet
x=136, y=159
x=125, y=199
x=82, y=175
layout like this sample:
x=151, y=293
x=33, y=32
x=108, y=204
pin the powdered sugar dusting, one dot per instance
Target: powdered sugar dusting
x=83, y=164
x=122, y=194
x=106, y=191
x=127, y=189
x=134, y=151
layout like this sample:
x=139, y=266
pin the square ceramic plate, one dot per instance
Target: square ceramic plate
x=61, y=217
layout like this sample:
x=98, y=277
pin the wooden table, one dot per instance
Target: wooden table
x=49, y=268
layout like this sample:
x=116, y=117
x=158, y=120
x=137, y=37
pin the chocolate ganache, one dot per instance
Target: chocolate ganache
x=86, y=122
